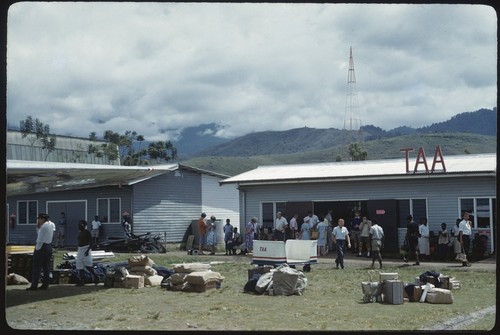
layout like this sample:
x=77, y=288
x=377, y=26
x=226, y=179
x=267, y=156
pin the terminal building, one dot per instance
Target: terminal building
x=439, y=189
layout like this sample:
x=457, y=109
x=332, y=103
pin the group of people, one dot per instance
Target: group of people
x=326, y=234
x=206, y=234
x=42, y=254
x=459, y=239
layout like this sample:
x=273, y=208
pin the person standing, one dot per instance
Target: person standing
x=256, y=230
x=321, y=242
x=464, y=233
x=376, y=238
x=423, y=240
x=84, y=254
x=202, y=233
x=340, y=235
x=412, y=237
x=364, y=236
x=126, y=226
x=443, y=241
x=249, y=234
x=455, y=243
x=294, y=227
x=211, y=235
x=312, y=219
x=279, y=227
x=329, y=231
x=96, y=226
x=228, y=234
x=43, y=253
x=61, y=230
x=355, y=232
x=305, y=231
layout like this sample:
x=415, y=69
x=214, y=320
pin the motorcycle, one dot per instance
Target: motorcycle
x=145, y=243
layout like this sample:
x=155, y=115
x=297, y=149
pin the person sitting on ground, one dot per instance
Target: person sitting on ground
x=235, y=242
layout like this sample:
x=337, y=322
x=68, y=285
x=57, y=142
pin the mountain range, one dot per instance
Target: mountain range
x=465, y=133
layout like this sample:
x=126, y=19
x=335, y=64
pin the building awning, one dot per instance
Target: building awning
x=27, y=177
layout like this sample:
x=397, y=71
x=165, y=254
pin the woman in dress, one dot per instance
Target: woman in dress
x=249, y=234
x=322, y=230
x=211, y=236
x=423, y=240
x=305, y=231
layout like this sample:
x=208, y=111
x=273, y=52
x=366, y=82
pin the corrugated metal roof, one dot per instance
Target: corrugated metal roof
x=25, y=177
x=374, y=169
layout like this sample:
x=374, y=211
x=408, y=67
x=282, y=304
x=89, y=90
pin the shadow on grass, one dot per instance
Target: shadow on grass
x=15, y=296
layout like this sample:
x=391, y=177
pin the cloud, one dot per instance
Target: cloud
x=83, y=67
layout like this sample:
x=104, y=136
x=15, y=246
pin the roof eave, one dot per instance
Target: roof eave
x=361, y=178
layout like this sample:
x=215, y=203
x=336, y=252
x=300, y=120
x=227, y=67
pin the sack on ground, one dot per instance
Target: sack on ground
x=285, y=280
x=439, y=296
x=264, y=281
x=203, y=277
x=154, y=280
x=191, y=267
x=140, y=260
x=146, y=269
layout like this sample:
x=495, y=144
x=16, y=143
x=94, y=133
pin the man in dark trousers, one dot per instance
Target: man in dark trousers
x=42, y=253
x=84, y=254
x=412, y=237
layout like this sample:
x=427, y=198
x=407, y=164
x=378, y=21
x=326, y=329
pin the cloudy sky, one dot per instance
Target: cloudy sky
x=83, y=67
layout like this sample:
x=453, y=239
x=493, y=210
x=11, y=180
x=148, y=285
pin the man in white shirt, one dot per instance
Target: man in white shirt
x=42, y=253
x=279, y=227
x=312, y=219
x=376, y=240
x=294, y=227
x=464, y=233
x=96, y=225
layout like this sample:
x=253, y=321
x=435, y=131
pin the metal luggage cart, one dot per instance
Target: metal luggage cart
x=292, y=252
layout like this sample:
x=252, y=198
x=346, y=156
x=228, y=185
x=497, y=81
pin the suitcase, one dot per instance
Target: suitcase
x=393, y=292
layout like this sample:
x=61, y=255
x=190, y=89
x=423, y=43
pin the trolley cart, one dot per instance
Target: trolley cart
x=292, y=252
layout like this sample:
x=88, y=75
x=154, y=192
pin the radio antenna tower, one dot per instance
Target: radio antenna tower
x=351, y=132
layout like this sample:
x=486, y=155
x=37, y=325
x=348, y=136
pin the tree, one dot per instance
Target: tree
x=105, y=149
x=37, y=132
x=124, y=146
x=162, y=151
x=356, y=152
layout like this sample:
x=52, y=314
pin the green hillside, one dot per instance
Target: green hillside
x=450, y=143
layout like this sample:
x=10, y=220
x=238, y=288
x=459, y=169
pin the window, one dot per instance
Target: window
x=27, y=212
x=481, y=210
x=416, y=207
x=109, y=210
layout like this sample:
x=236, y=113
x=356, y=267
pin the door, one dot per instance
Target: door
x=75, y=211
x=385, y=212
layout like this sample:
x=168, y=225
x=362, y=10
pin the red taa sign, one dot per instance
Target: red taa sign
x=421, y=160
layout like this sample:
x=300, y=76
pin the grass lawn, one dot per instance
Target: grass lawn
x=332, y=301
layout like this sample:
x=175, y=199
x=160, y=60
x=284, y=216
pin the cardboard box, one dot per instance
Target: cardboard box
x=133, y=281
x=388, y=276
